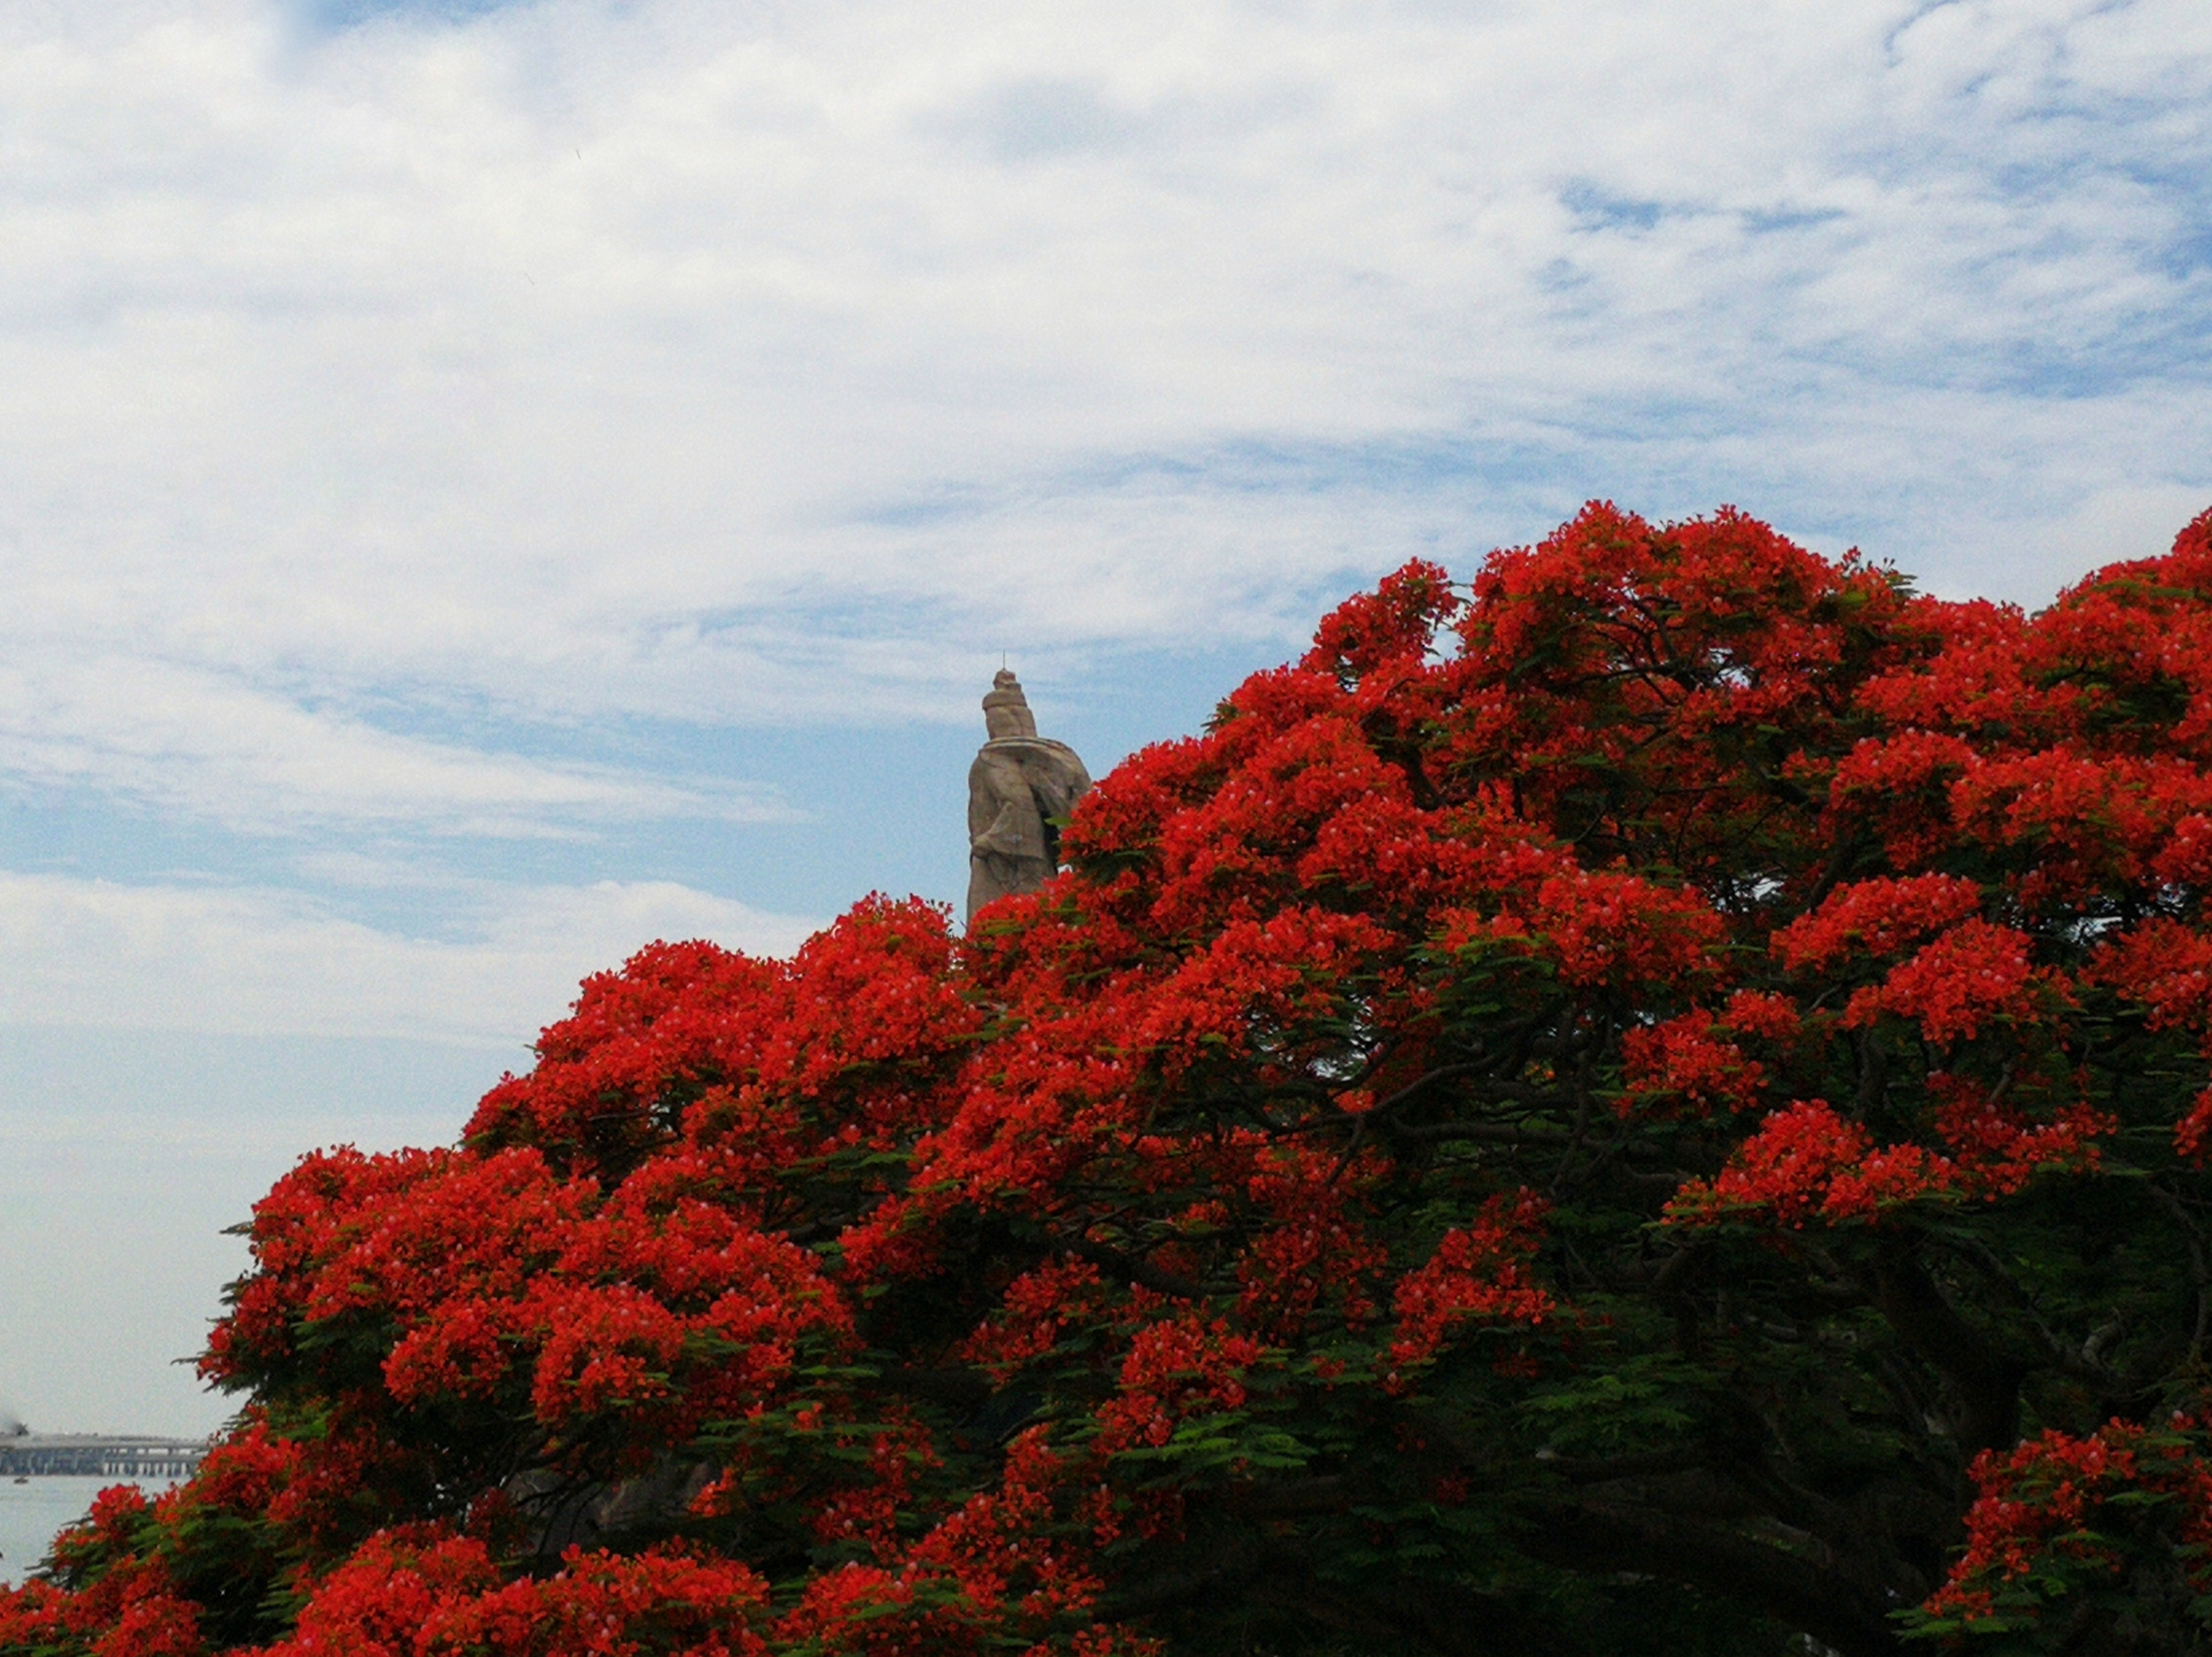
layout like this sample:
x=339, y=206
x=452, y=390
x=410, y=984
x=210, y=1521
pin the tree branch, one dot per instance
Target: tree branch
x=1131, y=1269
x=1816, y=1600
x=1987, y=1382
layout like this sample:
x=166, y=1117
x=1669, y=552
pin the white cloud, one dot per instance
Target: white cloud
x=510, y=357
x=192, y=742
x=265, y=963
x=2109, y=525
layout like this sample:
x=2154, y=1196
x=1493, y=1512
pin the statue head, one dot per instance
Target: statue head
x=1006, y=711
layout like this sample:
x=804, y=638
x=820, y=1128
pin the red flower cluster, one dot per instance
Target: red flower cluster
x=2058, y=1513
x=416, y=1593
x=1806, y=1162
x=1480, y=1272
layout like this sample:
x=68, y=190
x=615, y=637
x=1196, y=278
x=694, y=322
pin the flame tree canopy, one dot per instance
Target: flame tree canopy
x=1652, y=1105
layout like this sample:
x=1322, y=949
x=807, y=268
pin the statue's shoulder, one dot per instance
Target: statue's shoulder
x=1001, y=768
x=1015, y=746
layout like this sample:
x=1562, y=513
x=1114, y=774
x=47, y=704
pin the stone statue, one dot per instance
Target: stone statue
x=1021, y=786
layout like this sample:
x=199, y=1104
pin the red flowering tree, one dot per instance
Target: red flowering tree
x=1653, y=1105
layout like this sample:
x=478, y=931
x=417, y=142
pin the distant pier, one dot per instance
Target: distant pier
x=50, y=1454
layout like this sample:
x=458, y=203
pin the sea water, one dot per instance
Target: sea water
x=32, y=1511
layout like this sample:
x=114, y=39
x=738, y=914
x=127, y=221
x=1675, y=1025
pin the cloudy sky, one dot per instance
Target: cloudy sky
x=483, y=486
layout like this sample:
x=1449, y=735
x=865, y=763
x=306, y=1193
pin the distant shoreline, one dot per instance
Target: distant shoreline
x=99, y=1456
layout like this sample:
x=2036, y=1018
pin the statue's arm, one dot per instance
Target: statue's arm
x=1004, y=836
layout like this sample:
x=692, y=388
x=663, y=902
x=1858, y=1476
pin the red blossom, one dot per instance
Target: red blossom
x=1687, y=1064
x=1785, y=1170
x=1973, y=974
x=1875, y=918
x=1480, y=1272
x=2048, y=1505
x=1175, y=1370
